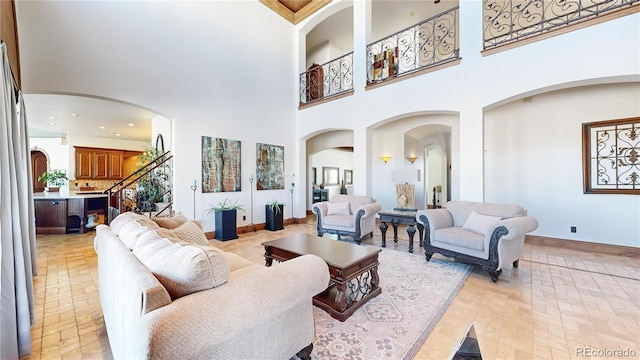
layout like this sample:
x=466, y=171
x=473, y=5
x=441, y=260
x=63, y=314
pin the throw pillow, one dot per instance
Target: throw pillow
x=130, y=232
x=340, y=208
x=192, y=233
x=170, y=222
x=120, y=220
x=480, y=223
x=182, y=268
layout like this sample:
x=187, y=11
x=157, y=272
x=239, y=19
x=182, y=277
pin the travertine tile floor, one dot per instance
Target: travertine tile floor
x=559, y=304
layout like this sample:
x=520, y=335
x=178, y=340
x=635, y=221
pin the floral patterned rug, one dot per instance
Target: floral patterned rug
x=395, y=324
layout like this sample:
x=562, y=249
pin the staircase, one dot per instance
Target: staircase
x=142, y=190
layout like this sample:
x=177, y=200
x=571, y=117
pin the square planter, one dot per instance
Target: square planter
x=274, y=221
x=226, y=225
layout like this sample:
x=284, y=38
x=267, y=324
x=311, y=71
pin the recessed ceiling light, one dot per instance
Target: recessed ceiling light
x=74, y=114
x=103, y=127
x=52, y=123
x=130, y=124
x=116, y=134
x=51, y=118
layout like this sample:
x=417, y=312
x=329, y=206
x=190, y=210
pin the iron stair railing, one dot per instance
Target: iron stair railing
x=145, y=176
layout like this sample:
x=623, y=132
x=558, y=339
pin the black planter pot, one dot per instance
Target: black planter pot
x=226, y=225
x=274, y=221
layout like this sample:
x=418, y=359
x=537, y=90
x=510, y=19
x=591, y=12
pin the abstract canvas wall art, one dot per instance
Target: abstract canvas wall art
x=269, y=167
x=220, y=165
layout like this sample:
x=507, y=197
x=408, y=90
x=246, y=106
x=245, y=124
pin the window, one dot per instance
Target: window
x=611, y=156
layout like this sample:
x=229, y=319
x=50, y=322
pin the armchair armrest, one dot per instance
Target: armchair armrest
x=370, y=209
x=222, y=313
x=321, y=206
x=517, y=227
x=436, y=218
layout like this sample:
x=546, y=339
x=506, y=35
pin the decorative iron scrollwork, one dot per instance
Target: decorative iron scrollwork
x=507, y=21
x=611, y=152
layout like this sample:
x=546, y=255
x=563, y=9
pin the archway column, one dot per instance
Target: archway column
x=362, y=150
x=471, y=160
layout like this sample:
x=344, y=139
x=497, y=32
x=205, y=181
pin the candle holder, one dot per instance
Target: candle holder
x=251, y=206
x=194, y=187
x=291, y=188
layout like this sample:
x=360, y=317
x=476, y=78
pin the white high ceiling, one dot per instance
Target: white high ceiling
x=61, y=45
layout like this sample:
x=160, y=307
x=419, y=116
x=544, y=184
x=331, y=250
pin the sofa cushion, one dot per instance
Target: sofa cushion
x=191, y=232
x=236, y=261
x=170, y=222
x=460, y=237
x=339, y=208
x=338, y=220
x=120, y=220
x=480, y=223
x=130, y=232
x=182, y=268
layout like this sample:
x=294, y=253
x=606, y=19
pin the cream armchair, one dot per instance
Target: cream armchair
x=491, y=235
x=349, y=215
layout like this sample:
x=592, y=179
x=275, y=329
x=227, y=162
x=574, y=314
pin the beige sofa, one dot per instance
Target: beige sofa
x=349, y=215
x=490, y=235
x=167, y=294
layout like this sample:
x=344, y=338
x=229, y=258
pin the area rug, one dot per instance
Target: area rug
x=395, y=324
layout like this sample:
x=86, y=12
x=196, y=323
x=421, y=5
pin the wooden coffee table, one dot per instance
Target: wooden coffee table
x=353, y=270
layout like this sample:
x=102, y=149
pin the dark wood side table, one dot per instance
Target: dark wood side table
x=400, y=217
x=353, y=270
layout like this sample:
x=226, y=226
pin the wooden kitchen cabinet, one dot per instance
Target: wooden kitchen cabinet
x=51, y=216
x=84, y=164
x=99, y=164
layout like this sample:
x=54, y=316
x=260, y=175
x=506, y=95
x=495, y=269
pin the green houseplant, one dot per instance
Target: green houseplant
x=274, y=211
x=54, y=178
x=152, y=188
x=226, y=219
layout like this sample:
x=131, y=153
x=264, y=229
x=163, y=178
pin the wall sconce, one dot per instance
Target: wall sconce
x=413, y=159
x=385, y=158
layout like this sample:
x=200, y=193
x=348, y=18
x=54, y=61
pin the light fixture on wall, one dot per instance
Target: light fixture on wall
x=385, y=158
x=413, y=159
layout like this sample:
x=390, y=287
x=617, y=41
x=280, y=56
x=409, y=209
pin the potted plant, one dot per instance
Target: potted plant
x=226, y=219
x=275, y=216
x=54, y=178
x=152, y=188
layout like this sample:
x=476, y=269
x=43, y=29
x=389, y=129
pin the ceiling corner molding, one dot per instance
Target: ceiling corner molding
x=297, y=16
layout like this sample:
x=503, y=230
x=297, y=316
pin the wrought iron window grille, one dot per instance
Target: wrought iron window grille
x=611, y=156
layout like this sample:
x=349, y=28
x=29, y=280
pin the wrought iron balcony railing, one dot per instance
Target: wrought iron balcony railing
x=327, y=80
x=508, y=21
x=429, y=43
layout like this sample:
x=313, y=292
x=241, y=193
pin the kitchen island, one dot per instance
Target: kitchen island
x=67, y=211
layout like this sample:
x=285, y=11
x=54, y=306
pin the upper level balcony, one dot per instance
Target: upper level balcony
x=434, y=43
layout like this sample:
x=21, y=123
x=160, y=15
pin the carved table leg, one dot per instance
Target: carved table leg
x=341, y=297
x=268, y=260
x=383, y=229
x=395, y=231
x=375, y=279
x=411, y=231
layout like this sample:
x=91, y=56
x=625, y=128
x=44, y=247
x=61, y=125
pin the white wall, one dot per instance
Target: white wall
x=57, y=152
x=534, y=156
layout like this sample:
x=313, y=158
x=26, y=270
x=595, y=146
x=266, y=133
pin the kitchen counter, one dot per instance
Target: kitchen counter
x=69, y=194
x=66, y=211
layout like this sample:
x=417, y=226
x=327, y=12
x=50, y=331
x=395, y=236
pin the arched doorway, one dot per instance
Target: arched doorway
x=38, y=166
